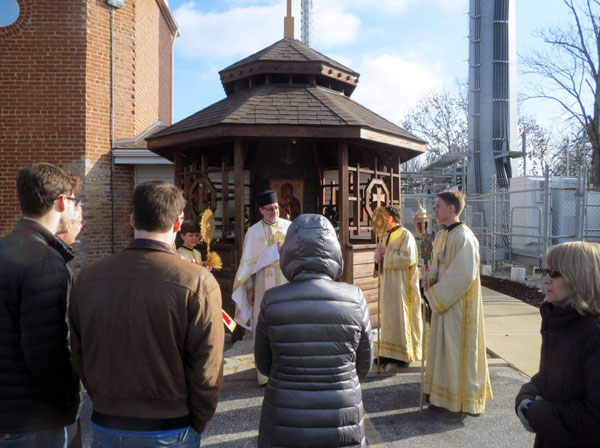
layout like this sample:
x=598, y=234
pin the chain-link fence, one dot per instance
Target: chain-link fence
x=516, y=226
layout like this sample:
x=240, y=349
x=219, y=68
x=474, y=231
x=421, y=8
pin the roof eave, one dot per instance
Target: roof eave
x=163, y=145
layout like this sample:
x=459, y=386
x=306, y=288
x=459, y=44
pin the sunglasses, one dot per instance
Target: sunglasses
x=551, y=273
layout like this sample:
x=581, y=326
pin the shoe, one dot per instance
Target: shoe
x=434, y=408
x=386, y=361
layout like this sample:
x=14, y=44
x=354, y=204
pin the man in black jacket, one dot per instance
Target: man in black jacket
x=39, y=393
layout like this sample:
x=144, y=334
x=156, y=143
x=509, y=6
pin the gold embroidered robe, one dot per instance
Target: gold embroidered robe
x=192, y=255
x=457, y=376
x=401, y=320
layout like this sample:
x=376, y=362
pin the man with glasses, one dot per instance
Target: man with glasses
x=457, y=376
x=259, y=267
x=39, y=392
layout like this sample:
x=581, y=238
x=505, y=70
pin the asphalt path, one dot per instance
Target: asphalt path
x=393, y=417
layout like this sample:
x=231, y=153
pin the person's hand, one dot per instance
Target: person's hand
x=522, y=413
x=379, y=251
x=250, y=296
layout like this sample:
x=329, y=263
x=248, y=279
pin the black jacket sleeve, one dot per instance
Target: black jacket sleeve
x=43, y=326
x=262, y=347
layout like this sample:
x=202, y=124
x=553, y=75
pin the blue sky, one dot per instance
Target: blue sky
x=402, y=48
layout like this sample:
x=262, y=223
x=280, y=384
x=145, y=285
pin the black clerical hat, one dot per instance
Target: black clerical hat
x=266, y=197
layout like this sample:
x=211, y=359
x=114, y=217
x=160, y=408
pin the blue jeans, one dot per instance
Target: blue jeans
x=187, y=439
x=53, y=438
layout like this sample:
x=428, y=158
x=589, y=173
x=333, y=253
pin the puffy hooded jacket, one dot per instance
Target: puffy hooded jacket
x=313, y=340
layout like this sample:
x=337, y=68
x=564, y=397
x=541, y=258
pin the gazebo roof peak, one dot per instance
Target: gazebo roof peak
x=288, y=61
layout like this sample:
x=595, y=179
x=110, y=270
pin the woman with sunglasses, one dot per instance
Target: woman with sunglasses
x=561, y=403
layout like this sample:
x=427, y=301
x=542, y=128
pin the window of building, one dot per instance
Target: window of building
x=9, y=12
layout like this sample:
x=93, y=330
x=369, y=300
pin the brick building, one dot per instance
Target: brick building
x=77, y=80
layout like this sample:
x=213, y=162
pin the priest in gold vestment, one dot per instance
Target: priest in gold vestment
x=259, y=266
x=401, y=321
x=457, y=377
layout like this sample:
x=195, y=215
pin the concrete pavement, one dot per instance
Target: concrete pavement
x=512, y=331
x=391, y=397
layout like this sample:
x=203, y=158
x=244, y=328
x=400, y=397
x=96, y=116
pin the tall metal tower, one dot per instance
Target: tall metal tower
x=307, y=23
x=493, y=129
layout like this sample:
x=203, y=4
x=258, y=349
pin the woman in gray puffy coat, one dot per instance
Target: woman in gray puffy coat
x=313, y=340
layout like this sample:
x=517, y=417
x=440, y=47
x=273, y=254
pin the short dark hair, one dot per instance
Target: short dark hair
x=40, y=184
x=156, y=206
x=455, y=198
x=395, y=212
x=190, y=227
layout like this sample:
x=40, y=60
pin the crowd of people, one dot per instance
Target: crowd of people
x=142, y=329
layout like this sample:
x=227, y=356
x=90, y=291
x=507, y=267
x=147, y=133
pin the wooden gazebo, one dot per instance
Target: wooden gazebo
x=288, y=120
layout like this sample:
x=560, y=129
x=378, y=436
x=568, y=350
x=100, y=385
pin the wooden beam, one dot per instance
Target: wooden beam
x=178, y=169
x=398, y=179
x=343, y=206
x=225, y=198
x=319, y=182
x=358, y=203
x=238, y=174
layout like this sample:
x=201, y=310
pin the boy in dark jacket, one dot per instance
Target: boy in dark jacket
x=39, y=392
x=313, y=340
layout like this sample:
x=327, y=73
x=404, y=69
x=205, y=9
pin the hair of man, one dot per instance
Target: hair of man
x=40, y=184
x=395, y=211
x=454, y=198
x=579, y=264
x=156, y=206
x=190, y=227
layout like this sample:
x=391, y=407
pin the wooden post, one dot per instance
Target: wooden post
x=225, y=198
x=178, y=170
x=238, y=175
x=399, y=184
x=358, y=202
x=343, y=212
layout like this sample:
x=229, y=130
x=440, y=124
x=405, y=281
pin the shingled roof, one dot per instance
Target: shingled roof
x=289, y=50
x=287, y=104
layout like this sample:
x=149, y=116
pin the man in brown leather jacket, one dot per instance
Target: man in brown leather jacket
x=146, y=332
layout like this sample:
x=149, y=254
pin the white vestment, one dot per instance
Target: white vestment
x=457, y=376
x=401, y=321
x=259, y=266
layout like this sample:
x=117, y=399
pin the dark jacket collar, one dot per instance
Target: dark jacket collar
x=452, y=226
x=36, y=230
x=556, y=316
x=144, y=243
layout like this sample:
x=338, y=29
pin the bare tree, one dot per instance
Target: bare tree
x=569, y=65
x=539, y=150
x=572, y=152
x=440, y=118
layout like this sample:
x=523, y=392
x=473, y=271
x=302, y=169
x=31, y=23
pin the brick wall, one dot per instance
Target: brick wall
x=153, y=66
x=55, y=90
x=42, y=85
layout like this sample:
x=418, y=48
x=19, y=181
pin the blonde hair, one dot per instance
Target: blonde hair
x=579, y=264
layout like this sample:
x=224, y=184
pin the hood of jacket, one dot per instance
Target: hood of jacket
x=311, y=250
